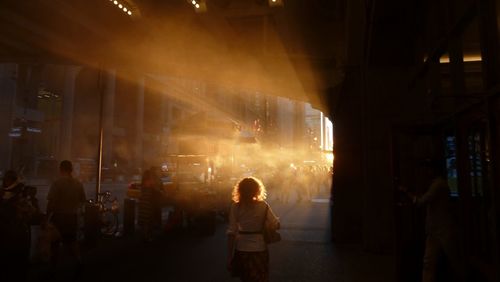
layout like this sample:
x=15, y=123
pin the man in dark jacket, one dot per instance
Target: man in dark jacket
x=66, y=196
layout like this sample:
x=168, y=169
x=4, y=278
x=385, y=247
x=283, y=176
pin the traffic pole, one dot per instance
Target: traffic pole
x=101, y=133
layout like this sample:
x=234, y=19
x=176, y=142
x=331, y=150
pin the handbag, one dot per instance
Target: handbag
x=48, y=235
x=271, y=235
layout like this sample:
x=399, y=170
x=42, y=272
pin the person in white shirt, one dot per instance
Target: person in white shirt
x=248, y=256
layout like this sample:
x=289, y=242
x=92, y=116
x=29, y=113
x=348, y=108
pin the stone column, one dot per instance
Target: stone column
x=349, y=190
x=108, y=116
x=491, y=69
x=139, y=123
x=68, y=105
x=8, y=84
x=299, y=120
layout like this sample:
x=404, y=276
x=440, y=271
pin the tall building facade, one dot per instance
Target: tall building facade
x=54, y=113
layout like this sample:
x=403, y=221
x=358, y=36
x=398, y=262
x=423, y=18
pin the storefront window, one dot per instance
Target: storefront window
x=451, y=163
x=476, y=163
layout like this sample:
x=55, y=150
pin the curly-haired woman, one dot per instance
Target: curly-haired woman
x=248, y=256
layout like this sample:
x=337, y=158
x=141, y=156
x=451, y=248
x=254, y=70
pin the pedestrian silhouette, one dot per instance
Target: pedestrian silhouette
x=248, y=256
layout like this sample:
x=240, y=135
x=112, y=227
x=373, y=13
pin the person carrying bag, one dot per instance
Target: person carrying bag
x=250, y=219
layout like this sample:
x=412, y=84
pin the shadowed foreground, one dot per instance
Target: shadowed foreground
x=305, y=254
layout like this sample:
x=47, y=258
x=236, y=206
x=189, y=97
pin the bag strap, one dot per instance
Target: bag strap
x=265, y=218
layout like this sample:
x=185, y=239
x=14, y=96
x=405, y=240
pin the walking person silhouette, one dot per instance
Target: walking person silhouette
x=248, y=256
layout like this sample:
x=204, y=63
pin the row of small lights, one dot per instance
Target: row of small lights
x=195, y=4
x=122, y=7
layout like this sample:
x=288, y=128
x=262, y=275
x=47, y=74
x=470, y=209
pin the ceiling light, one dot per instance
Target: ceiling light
x=120, y=6
x=115, y=2
x=467, y=58
x=125, y=9
x=197, y=6
x=276, y=3
x=194, y=2
x=130, y=13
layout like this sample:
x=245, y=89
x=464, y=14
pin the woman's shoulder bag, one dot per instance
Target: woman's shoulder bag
x=271, y=235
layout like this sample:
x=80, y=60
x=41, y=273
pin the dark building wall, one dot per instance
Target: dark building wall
x=394, y=112
x=372, y=104
x=8, y=73
x=347, y=181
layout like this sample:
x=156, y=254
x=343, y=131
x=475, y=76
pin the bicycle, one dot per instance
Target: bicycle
x=108, y=213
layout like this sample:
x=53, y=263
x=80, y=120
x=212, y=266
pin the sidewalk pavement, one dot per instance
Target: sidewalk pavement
x=186, y=257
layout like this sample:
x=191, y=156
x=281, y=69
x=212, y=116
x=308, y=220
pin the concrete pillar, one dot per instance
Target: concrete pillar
x=299, y=120
x=8, y=82
x=24, y=149
x=68, y=106
x=363, y=189
x=139, y=123
x=348, y=183
x=348, y=191
x=491, y=68
x=108, y=116
x=494, y=124
x=489, y=42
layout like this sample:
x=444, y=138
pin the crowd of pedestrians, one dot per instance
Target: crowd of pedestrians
x=301, y=183
x=250, y=218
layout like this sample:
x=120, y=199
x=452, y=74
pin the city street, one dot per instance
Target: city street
x=117, y=189
x=373, y=125
x=305, y=253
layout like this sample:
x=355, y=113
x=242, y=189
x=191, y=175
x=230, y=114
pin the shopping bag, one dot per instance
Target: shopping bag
x=48, y=235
